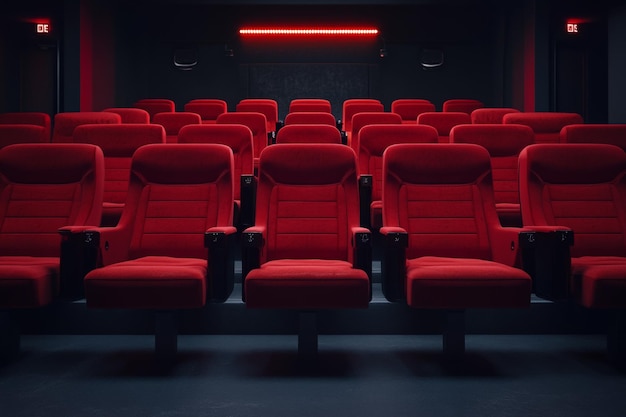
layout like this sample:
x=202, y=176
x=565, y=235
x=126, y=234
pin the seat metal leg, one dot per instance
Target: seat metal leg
x=454, y=333
x=166, y=334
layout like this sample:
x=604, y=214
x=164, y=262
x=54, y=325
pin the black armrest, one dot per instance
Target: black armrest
x=248, y=201
x=252, y=244
x=344, y=137
x=363, y=251
x=79, y=255
x=221, y=266
x=393, y=264
x=365, y=200
x=271, y=138
x=546, y=258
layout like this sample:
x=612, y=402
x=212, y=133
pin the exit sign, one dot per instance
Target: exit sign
x=572, y=27
x=43, y=28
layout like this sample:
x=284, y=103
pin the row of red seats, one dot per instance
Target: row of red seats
x=445, y=248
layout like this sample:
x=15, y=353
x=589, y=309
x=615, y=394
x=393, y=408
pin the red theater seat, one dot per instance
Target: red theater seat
x=310, y=105
x=357, y=105
x=173, y=122
x=65, y=123
x=546, y=125
x=306, y=251
x=29, y=118
x=130, y=114
x=304, y=133
x=359, y=120
x=310, y=117
x=239, y=139
x=491, y=115
x=614, y=134
x=581, y=187
x=409, y=108
x=444, y=246
x=208, y=109
x=462, y=105
x=504, y=143
x=180, y=202
x=11, y=134
x=118, y=143
x=44, y=187
x=444, y=122
x=268, y=107
x=372, y=142
x=156, y=105
x=257, y=125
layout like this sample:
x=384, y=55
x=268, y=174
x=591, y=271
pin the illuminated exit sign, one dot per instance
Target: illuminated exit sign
x=43, y=28
x=572, y=28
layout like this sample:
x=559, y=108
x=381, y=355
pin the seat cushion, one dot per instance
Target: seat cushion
x=459, y=283
x=28, y=281
x=307, y=284
x=599, y=281
x=151, y=282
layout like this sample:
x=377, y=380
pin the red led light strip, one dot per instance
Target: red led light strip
x=309, y=31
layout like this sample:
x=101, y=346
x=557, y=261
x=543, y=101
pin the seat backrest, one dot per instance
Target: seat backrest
x=307, y=200
x=354, y=106
x=29, y=118
x=237, y=137
x=462, y=105
x=409, y=108
x=254, y=121
x=208, y=109
x=359, y=120
x=374, y=139
x=118, y=144
x=614, y=134
x=268, y=107
x=303, y=133
x=45, y=187
x=130, y=114
x=580, y=186
x=65, y=123
x=546, y=125
x=10, y=134
x=173, y=122
x=156, y=105
x=310, y=117
x=491, y=115
x=444, y=122
x=177, y=192
x=441, y=194
x=310, y=105
x=504, y=143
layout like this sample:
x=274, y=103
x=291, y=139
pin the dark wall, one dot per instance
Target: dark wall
x=617, y=65
x=335, y=69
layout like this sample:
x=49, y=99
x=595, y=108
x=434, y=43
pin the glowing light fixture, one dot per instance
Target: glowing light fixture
x=308, y=31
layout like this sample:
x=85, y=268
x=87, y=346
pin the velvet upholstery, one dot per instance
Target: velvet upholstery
x=362, y=119
x=546, y=125
x=371, y=144
x=172, y=122
x=29, y=118
x=256, y=122
x=457, y=255
x=582, y=187
x=490, y=115
x=444, y=122
x=130, y=114
x=462, y=105
x=208, y=109
x=310, y=117
x=614, y=134
x=43, y=187
x=65, y=123
x=155, y=105
x=22, y=133
x=504, y=143
x=308, y=133
x=307, y=215
x=268, y=107
x=310, y=105
x=118, y=143
x=353, y=106
x=409, y=109
x=155, y=257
